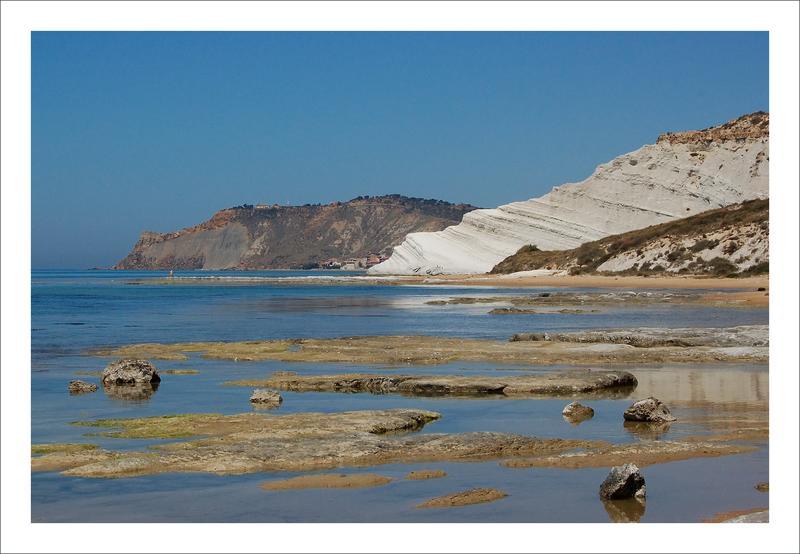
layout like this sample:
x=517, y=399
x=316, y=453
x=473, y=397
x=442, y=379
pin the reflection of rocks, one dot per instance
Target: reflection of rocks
x=623, y=482
x=647, y=431
x=650, y=410
x=81, y=387
x=629, y=510
x=575, y=413
x=465, y=498
x=554, y=384
x=131, y=393
x=130, y=372
x=264, y=398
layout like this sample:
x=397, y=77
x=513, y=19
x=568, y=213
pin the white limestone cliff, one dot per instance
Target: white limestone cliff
x=681, y=175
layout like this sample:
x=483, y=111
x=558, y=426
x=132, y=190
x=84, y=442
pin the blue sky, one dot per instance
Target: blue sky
x=157, y=131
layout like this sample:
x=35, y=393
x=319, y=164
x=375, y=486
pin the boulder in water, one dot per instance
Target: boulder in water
x=130, y=372
x=623, y=482
x=575, y=412
x=650, y=409
x=266, y=398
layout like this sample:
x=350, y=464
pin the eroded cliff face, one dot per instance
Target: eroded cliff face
x=273, y=237
x=733, y=240
x=682, y=174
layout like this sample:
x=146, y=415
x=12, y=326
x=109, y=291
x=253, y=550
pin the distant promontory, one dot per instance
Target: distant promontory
x=351, y=235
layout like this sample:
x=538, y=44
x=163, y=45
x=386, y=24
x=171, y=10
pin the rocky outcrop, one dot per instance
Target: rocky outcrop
x=248, y=443
x=727, y=241
x=623, y=482
x=266, y=398
x=750, y=127
x=81, y=387
x=552, y=384
x=130, y=372
x=431, y=350
x=276, y=237
x=681, y=175
x=650, y=410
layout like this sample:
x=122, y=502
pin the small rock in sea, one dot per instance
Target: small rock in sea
x=762, y=487
x=80, y=387
x=761, y=289
x=650, y=410
x=266, y=397
x=575, y=412
x=623, y=482
x=130, y=372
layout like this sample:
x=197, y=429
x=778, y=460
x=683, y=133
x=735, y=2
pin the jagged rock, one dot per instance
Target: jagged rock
x=266, y=397
x=649, y=410
x=575, y=412
x=80, y=387
x=623, y=482
x=130, y=372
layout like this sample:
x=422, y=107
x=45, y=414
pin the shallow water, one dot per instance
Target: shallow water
x=73, y=312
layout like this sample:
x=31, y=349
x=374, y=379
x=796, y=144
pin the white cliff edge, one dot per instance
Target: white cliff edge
x=681, y=175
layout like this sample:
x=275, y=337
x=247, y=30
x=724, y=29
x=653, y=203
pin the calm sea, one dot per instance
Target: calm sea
x=75, y=311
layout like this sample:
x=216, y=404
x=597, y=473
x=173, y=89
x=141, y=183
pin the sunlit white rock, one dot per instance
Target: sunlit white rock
x=656, y=183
